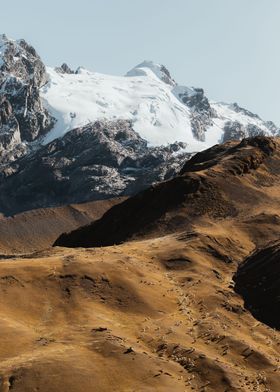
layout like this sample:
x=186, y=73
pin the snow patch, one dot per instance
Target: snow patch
x=147, y=96
x=147, y=101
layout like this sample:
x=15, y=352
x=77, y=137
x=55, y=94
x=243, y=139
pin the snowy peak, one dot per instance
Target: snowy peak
x=20, y=60
x=148, y=67
x=44, y=104
x=155, y=112
x=161, y=111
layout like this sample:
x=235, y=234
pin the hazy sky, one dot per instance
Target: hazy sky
x=229, y=47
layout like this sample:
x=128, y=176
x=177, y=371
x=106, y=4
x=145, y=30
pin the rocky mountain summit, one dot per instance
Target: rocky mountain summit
x=70, y=136
x=23, y=117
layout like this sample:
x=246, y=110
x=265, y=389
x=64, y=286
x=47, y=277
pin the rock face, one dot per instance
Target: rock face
x=22, y=74
x=99, y=161
x=65, y=69
x=9, y=127
x=257, y=281
x=235, y=130
x=201, y=111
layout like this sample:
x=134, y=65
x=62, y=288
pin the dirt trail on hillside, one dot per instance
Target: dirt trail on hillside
x=158, y=311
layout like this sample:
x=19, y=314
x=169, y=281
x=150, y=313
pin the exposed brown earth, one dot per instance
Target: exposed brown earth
x=158, y=312
x=37, y=229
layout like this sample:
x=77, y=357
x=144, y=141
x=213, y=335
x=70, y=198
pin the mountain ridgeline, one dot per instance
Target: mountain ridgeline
x=220, y=182
x=73, y=136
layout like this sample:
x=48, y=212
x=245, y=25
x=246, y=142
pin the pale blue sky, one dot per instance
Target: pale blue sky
x=228, y=47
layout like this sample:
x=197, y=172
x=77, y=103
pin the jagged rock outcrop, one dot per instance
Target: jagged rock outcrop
x=65, y=69
x=166, y=76
x=239, y=109
x=22, y=74
x=201, y=111
x=9, y=127
x=233, y=130
x=98, y=161
x=272, y=128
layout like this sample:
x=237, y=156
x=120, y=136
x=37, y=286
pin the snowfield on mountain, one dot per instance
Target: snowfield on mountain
x=161, y=111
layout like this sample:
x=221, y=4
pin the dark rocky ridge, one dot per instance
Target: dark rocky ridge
x=211, y=183
x=236, y=158
x=98, y=161
x=22, y=74
x=201, y=111
x=10, y=133
x=64, y=69
x=234, y=130
x=166, y=76
x=257, y=281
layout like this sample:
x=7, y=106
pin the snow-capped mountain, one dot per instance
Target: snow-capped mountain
x=70, y=136
x=161, y=111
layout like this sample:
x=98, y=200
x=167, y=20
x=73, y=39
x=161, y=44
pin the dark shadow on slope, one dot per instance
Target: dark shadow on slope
x=132, y=215
x=173, y=205
x=258, y=282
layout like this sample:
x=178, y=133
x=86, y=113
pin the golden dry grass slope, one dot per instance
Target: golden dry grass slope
x=158, y=312
x=37, y=229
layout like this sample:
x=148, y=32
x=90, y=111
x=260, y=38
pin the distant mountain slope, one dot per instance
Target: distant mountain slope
x=37, y=229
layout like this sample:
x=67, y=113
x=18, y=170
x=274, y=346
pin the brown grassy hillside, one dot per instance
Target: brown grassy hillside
x=37, y=229
x=160, y=311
